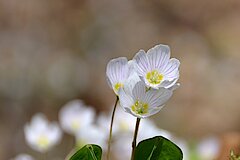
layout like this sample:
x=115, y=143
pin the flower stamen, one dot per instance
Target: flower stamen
x=154, y=77
x=43, y=141
x=140, y=108
x=117, y=86
x=75, y=125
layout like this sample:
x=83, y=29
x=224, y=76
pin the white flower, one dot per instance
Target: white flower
x=155, y=68
x=148, y=129
x=208, y=148
x=123, y=122
x=42, y=135
x=117, y=72
x=92, y=134
x=23, y=157
x=122, y=147
x=142, y=102
x=103, y=121
x=75, y=115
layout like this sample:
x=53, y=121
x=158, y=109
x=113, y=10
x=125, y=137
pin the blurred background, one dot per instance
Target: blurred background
x=54, y=51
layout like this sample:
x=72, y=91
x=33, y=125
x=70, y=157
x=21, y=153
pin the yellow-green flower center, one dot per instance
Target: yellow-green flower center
x=43, y=141
x=140, y=107
x=154, y=77
x=123, y=126
x=117, y=86
x=75, y=125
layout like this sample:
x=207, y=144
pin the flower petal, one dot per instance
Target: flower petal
x=141, y=63
x=171, y=71
x=139, y=91
x=175, y=86
x=158, y=56
x=126, y=101
x=128, y=110
x=157, y=98
x=54, y=133
x=23, y=157
x=132, y=80
x=168, y=84
x=117, y=70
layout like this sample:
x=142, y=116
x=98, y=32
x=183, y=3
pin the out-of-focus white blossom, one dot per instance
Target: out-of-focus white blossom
x=23, y=157
x=122, y=147
x=208, y=148
x=123, y=122
x=117, y=72
x=42, y=135
x=92, y=134
x=141, y=102
x=103, y=121
x=148, y=129
x=75, y=115
x=155, y=68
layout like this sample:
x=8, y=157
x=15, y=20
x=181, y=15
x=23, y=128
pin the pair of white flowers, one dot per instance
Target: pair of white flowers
x=75, y=118
x=145, y=83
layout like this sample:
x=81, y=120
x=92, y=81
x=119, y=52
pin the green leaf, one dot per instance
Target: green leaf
x=88, y=152
x=157, y=148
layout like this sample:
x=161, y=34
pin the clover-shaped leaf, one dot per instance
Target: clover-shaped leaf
x=88, y=152
x=158, y=148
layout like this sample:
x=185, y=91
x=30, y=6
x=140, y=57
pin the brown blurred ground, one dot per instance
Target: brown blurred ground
x=54, y=51
x=230, y=141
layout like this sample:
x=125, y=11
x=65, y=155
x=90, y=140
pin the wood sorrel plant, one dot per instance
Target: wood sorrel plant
x=142, y=86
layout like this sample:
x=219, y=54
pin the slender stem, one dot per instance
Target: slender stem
x=110, y=131
x=45, y=156
x=135, y=138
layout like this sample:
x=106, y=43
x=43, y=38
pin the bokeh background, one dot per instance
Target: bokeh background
x=55, y=51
